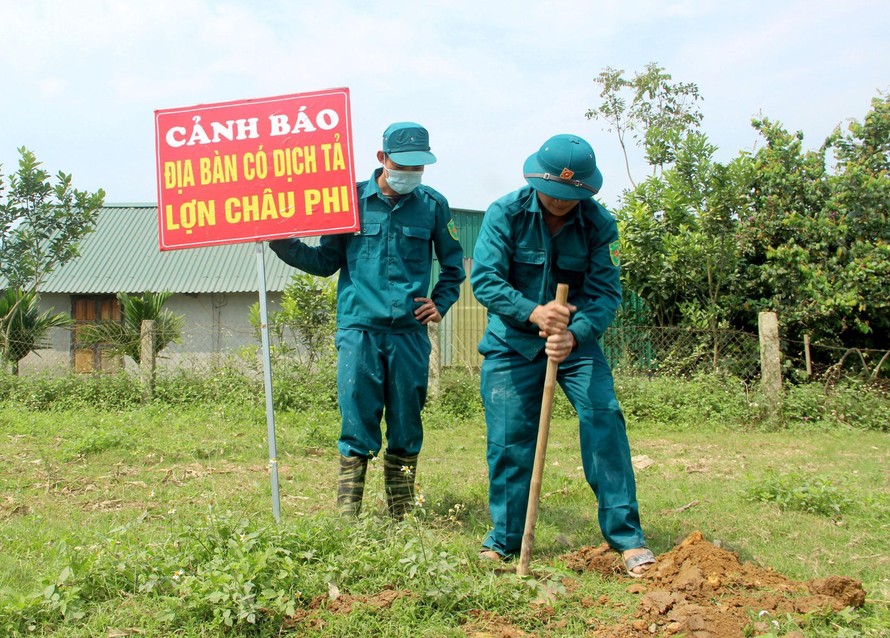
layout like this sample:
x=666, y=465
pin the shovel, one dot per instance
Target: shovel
x=531, y=515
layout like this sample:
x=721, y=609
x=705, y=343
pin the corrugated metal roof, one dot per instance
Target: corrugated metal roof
x=122, y=255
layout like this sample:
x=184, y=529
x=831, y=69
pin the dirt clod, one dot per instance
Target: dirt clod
x=701, y=590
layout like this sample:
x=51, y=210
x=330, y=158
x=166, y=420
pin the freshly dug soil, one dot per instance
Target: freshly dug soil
x=703, y=591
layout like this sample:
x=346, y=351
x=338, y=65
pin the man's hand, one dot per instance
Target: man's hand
x=552, y=318
x=560, y=346
x=427, y=312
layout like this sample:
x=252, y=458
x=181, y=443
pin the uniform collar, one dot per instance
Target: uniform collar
x=372, y=188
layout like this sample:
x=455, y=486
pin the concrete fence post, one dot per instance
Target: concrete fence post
x=435, y=359
x=770, y=359
x=147, y=358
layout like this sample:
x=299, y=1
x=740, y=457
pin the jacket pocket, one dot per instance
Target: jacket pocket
x=366, y=244
x=414, y=244
x=527, y=269
x=571, y=270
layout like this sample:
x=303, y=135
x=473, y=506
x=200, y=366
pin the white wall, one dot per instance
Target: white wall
x=215, y=325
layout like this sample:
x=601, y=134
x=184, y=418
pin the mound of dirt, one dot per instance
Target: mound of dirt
x=703, y=591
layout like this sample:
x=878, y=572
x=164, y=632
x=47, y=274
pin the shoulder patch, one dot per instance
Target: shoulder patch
x=615, y=253
x=452, y=230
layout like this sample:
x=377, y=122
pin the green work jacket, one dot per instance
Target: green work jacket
x=389, y=261
x=517, y=264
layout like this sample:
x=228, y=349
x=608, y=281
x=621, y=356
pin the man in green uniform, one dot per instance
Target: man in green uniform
x=383, y=311
x=553, y=231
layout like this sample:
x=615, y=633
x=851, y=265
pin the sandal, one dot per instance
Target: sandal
x=646, y=557
x=490, y=555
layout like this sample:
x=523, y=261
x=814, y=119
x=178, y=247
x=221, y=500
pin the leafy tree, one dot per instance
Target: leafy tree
x=40, y=228
x=779, y=234
x=41, y=224
x=305, y=325
x=860, y=207
x=709, y=245
x=861, y=190
x=23, y=328
x=125, y=337
x=656, y=112
x=814, y=246
x=679, y=234
x=678, y=225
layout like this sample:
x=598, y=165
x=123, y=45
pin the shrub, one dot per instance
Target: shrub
x=219, y=384
x=49, y=393
x=815, y=495
x=704, y=400
x=850, y=404
x=459, y=394
x=296, y=388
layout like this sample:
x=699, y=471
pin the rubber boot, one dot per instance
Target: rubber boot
x=351, y=484
x=398, y=481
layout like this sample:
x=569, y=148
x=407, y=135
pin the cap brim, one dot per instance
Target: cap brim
x=555, y=189
x=412, y=158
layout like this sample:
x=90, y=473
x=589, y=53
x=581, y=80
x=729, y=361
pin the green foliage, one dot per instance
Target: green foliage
x=41, y=224
x=292, y=389
x=221, y=385
x=94, y=441
x=458, y=394
x=860, y=204
x=230, y=573
x=690, y=404
x=69, y=392
x=677, y=227
x=237, y=576
x=710, y=245
x=23, y=328
x=815, y=495
x=812, y=245
x=850, y=404
x=304, y=327
x=678, y=238
x=295, y=387
x=125, y=337
x=659, y=113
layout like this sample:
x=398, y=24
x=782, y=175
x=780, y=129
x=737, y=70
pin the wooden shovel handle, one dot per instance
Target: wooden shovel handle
x=531, y=514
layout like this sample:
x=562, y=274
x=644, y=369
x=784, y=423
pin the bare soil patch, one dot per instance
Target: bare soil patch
x=703, y=591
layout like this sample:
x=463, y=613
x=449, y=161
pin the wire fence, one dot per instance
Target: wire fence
x=649, y=350
x=682, y=351
x=828, y=363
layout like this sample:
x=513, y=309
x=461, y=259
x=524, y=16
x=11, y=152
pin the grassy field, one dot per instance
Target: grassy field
x=157, y=521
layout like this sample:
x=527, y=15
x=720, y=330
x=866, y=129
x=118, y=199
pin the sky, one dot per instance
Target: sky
x=491, y=81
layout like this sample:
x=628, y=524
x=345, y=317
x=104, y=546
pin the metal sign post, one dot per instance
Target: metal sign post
x=267, y=381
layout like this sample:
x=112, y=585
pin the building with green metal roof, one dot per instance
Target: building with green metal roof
x=213, y=288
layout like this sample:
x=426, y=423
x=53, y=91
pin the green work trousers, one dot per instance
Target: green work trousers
x=512, y=388
x=381, y=374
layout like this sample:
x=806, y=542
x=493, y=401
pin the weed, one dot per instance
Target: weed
x=816, y=495
x=459, y=395
x=93, y=442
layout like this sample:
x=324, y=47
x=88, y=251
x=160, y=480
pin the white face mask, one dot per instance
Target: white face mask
x=402, y=182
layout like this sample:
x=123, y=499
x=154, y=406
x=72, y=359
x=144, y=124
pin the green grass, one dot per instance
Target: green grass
x=158, y=519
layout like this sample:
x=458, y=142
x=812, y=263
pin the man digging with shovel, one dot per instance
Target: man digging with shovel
x=553, y=231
